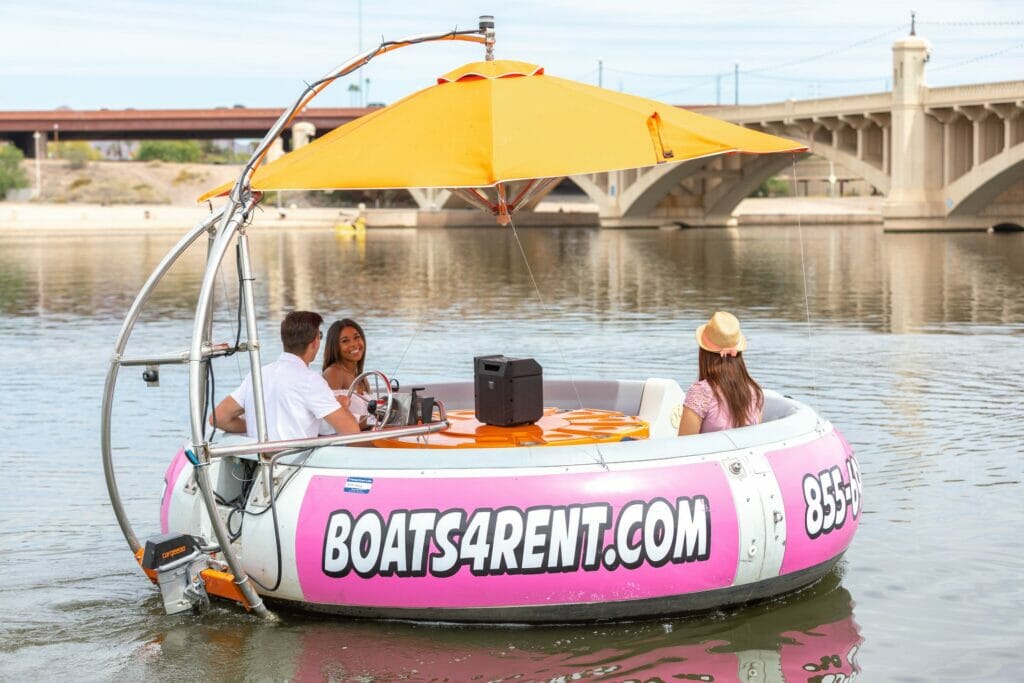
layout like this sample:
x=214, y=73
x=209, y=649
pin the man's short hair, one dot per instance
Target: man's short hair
x=299, y=329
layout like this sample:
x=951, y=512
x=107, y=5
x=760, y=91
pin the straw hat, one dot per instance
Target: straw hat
x=722, y=335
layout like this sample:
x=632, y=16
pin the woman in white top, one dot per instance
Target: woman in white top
x=344, y=359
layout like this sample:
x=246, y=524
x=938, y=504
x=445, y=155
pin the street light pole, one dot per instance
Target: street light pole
x=56, y=140
x=37, y=136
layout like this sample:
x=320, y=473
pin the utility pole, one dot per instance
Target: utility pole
x=39, y=174
x=718, y=89
x=736, y=83
x=366, y=92
x=56, y=139
x=600, y=73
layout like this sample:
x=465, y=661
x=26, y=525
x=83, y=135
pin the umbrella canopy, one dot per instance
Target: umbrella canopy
x=489, y=123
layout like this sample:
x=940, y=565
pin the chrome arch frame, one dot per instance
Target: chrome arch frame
x=223, y=227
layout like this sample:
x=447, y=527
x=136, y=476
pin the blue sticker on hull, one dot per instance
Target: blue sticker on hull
x=358, y=484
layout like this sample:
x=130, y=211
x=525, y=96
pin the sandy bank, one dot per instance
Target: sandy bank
x=810, y=210
x=38, y=218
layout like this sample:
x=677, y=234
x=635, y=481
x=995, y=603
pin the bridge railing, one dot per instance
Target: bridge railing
x=829, y=106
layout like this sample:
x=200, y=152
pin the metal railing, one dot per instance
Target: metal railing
x=265, y=447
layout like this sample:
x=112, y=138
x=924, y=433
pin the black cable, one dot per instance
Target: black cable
x=238, y=508
x=277, y=530
x=971, y=23
x=277, y=533
x=238, y=314
x=211, y=386
x=211, y=393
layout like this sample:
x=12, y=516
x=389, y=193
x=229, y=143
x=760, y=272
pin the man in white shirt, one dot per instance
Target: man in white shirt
x=295, y=397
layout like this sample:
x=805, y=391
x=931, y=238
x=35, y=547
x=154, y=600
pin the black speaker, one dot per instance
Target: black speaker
x=508, y=391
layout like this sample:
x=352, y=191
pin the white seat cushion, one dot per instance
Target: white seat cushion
x=661, y=406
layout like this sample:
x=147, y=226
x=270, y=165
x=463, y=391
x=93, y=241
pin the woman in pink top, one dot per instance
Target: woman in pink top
x=725, y=395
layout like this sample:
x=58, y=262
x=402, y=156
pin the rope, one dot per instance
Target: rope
x=547, y=311
x=415, y=332
x=807, y=305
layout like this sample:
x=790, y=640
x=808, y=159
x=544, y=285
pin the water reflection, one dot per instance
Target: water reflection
x=809, y=637
x=935, y=420
x=855, y=276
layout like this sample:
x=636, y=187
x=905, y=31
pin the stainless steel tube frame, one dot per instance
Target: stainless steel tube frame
x=340, y=439
x=115, y=364
x=243, y=185
x=251, y=334
x=240, y=205
x=236, y=216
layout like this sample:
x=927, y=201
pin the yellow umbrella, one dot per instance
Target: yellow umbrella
x=489, y=123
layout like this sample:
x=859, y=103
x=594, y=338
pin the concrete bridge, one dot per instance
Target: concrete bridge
x=945, y=158
x=20, y=127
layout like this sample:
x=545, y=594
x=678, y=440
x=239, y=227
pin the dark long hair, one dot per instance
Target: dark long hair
x=331, y=354
x=732, y=384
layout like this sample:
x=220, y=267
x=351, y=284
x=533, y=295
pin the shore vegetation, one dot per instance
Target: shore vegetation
x=77, y=153
x=174, y=151
x=12, y=175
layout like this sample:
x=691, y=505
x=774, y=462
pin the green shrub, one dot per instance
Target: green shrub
x=77, y=153
x=81, y=181
x=773, y=187
x=12, y=175
x=179, y=151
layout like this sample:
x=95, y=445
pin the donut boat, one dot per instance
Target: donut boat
x=593, y=508
x=626, y=520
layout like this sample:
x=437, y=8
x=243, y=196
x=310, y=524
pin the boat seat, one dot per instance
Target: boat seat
x=777, y=406
x=661, y=406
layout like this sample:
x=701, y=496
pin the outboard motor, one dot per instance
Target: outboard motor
x=178, y=560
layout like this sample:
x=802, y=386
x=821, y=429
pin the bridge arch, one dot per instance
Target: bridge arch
x=640, y=198
x=972, y=192
x=652, y=185
x=873, y=175
x=592, y=190
x=724, y=199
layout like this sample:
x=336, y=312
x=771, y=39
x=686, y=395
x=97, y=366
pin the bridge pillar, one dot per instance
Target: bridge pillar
x=429, y=198
x=302, y=133
x=1009, y=114
x=913, y=200
x=276, y=150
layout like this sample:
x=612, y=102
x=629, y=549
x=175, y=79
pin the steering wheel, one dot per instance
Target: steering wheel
x=388, y=395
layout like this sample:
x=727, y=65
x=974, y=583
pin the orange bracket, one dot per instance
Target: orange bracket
x=221, y=584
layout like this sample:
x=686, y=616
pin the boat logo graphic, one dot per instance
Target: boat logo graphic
x=510, y=540
x=828, y=498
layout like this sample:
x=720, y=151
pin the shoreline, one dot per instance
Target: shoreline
x=21, y=218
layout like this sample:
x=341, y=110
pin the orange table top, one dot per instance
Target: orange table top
x=554, y=428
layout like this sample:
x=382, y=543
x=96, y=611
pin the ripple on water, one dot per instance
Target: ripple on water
x=898, y=353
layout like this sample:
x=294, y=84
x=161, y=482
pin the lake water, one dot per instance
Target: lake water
x=914, y=347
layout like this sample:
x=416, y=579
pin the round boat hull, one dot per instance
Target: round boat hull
x=554, y=534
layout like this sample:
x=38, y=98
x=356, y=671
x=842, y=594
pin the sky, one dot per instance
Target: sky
x=141, y=54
